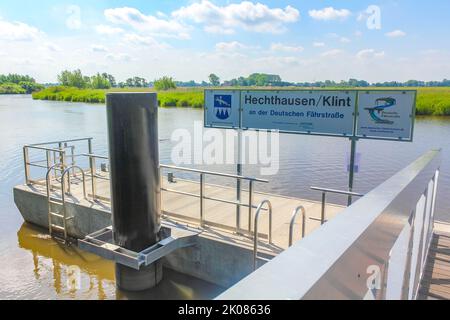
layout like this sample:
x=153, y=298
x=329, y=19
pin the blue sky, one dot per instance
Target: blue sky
x=300, y=40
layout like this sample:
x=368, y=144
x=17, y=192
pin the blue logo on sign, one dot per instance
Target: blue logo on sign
x=222, y=106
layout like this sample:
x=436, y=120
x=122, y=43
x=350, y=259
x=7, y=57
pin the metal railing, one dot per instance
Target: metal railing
x=203, y=197
x=255, y=237
x=324, y=194
x=93, y=174
x=56, y=156
x=61, y=154
x=376, y=248
x=291, y=224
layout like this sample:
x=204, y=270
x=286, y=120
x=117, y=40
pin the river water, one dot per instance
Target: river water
x=34, y=266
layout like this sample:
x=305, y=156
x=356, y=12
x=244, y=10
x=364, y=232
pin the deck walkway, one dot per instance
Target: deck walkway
x=436, y=278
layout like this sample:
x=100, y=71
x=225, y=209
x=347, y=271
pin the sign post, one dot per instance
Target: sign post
x=352, y=168
x=238, y=182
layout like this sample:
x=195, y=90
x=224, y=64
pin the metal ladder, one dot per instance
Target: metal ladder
x=57, y=220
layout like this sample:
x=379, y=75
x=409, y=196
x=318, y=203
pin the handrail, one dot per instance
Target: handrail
x=63, y=181
x=60, y=141
x=202, y=196
x=324, y=194
x=374, y=249
x=291, y=224
x=92, y=168
x=94, y=156
x=47, y=147
x=212, y=173
x=255, y=233
x=47, y=178
x=348, y=193
x=44, y=148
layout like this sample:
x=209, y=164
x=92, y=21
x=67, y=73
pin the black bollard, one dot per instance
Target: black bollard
x=135, y=181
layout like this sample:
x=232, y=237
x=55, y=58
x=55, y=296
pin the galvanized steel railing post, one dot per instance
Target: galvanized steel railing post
x=291, y=225
x=238, y=207
x=26, y=162
x=250, y=204
x=161, y=180
x=49, y=161
x=322, y=214
x=72, y=153
x=63, y=168
x=202, y=199
x=255, y=235
x=92, y=167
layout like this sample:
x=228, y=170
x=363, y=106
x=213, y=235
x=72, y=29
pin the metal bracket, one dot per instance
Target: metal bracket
x=175, y=236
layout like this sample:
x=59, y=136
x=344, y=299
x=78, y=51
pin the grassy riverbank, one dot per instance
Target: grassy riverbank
x=430, y=101
x=11, y=88
x=171, y=98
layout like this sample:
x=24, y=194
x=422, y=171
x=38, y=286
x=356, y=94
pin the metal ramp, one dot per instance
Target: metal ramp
x=174, y=236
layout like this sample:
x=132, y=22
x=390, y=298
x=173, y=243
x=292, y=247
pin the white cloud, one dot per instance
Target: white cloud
x=396, y=34
x=119, y=57
x=229, y=46
x=285, y=48
x=107, y=30
x=345, y=40
x=17, y=31
x=73, y=20
x=134, y=38
x=358, y=33
x=318, y=44
x=146, y=23
x=332, y=53
x=329, y=13
x=369, y=54
x=53, y=47
x=98, y=48
x=280, y=62
x=246, y=15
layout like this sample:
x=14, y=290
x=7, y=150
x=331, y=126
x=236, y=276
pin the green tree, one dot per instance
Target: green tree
x=73, y=79
x=111, y=79
x=100, y=82
x=164, y=83
x=30, y=87
x=214, y=80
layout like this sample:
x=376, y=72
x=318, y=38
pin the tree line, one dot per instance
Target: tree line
x=15, y=83
x=106, y=81
x=18, y=84
x=264, y=80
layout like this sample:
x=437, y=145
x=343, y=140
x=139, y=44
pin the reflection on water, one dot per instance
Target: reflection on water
x=76, y=274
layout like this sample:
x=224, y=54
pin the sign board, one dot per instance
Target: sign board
x=222, y=108
x=386, y=115
x=309, y=112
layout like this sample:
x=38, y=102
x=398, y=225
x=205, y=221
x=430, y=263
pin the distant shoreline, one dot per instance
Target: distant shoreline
x=432, y=101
